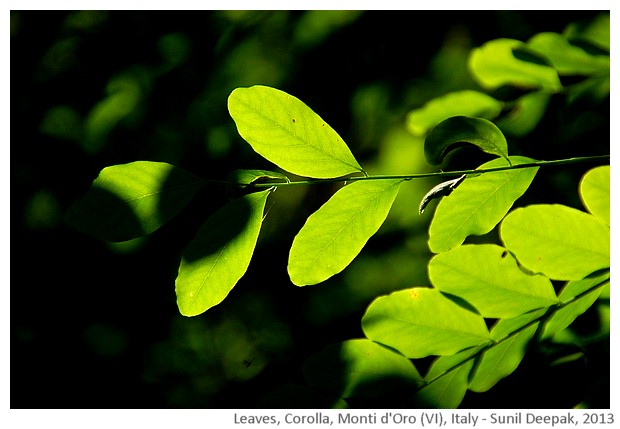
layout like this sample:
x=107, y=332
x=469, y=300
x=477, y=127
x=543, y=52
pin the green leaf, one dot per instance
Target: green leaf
x=478, y=204
x=508, y=62
x=131, y=200
x=526, y=113
x=420, y=322
x=594, y=192
x=568, y=59
x=561, y=242
x=455, y=131
x=288, y=133
x=595, y=32
x=448, y=381
x=243, y=181
x=577, y=296
x=459, y=103
x=360, y=368
x=335, y=234
x=501, y=360
x=220, y=254
x=500, y=290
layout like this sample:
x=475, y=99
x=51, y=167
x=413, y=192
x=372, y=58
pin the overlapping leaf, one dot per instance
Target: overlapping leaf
x=501, y=359
x=220, y=254
x=499, y=290
x=448, y=380
x=568, y=59
x=561, y=242
x=508, y=62
x=420, y=322
x=459, y=130
x=285, y=131
x=335, y=234
x=478, y=204
x=360, y=368
x=578, y=296
x=131, y=200
x=459, y=103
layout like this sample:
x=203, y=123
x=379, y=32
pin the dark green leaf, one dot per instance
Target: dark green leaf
x=459, y=130
x=360, y=368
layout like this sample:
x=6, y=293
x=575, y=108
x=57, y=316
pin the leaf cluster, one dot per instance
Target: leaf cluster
x=486, y=302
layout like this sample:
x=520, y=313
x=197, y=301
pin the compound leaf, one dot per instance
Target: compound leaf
x=420, y=322
x=500, y=290
x=131, y=200
x=478, y=204
x=458, y=130
x=335, y=234
x=220, y=254
x=561, y=242
x=285, y=131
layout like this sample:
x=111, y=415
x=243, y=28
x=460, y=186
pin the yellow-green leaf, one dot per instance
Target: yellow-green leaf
x=220, y=254
x=285, y=131
x=335, y=234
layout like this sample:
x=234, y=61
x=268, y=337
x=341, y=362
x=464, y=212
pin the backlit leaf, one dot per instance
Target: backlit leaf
x=568, y=59
x=501, y=359
x=578, y=295
x=420, y=322
x=360, y=368
x=499, y=290
x=478, y=204
x=458, y=130
x=285, y=131
x=508, y=62
x=594, y=192
x=448, y=376
x=335, y=234
x=131, y=200
x=220, y=254
x=459, y=103
x=561, y=242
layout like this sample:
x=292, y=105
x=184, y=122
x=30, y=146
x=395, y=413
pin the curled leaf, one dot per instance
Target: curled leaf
x=459, y=130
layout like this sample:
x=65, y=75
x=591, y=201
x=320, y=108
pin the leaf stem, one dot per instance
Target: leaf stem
x=407, y=177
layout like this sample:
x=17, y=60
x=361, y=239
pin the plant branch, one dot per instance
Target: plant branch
x=546, y=315
x=407, y=177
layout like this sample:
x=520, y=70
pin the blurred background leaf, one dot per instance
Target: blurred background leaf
x=92, y=89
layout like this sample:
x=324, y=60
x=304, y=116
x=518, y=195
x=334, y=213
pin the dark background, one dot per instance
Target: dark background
x=96, y=325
